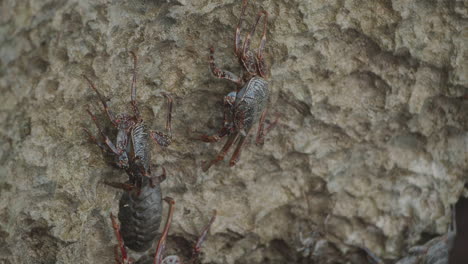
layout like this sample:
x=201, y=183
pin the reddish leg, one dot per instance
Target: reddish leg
x=222, y=153
x=202, y=238
x=221, y=74
x=261, y=64
x=235, y=157
x=165, y=139
x=215, y=138
x=123, y=258
x=104, y=104
x=106, y=139
x=228, y=102
x=133, y=91
x=158, y=257
x=95, y=141
x=238, y=41
x=246, y=46
x=169, y=114
x=261, y=131
x=119, y=185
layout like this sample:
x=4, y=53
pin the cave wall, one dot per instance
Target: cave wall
x=370, y=150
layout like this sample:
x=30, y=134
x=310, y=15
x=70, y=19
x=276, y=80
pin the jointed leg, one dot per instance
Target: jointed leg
x=124, y=186
x=106, y=139
x=158, y=257
x=165, y=139
x=169, y=115
x=261, y=64
x=235, y=157
x=222, y=153
x=222, y=74
x=262, y=131
x=201, y=239
x=263, y=40
x=228, y=102
x=116, y=227
x=246, y=46
x=216, y=137
x=104, y=104
x=133, y=91
x=238, y=41
x=95, y=141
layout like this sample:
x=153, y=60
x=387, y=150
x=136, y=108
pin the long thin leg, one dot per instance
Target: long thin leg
x=216, y=137
x=238, y=41
x=222, y=74
x=106, y=139
x=121, y=245
x=165, y=139
x=261, y=64
x=252, y=32
x=158, y=257
x=202, y=238
x=95, y=141
x=228, y=102
x=119, y=185
x=260, y=136
x=263, y=132
x=235, y=157
x=104, y=104
x=222, y=153
x=169, y=114
x=133, y=91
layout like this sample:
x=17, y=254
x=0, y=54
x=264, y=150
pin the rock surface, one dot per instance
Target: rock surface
x=371, y=148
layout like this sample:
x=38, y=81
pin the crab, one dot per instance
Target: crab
x=247, y=105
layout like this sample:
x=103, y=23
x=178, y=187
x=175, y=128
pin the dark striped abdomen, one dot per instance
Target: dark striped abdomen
x=140, y=216
x=250, y=103
x=141, y=145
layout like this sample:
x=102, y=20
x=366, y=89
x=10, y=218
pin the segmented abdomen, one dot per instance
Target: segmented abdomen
x=250, y=103
x=140, y=144
x=140, y=216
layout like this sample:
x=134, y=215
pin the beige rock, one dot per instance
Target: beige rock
x=370, y=151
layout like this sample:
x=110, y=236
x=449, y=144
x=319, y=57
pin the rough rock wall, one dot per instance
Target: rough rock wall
x=370, y=151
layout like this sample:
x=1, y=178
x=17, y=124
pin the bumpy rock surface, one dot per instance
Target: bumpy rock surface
x=370, y=151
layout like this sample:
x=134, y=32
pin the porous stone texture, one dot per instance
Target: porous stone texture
x=370, y=150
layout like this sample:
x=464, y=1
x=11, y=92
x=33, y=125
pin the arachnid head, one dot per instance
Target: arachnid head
x=125, y=122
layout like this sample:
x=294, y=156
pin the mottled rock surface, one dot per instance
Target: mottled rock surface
x=371, y=148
